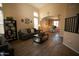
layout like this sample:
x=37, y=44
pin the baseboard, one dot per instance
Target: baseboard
x=70, y=47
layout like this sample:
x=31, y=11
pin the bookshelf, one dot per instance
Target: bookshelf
x=10, y=29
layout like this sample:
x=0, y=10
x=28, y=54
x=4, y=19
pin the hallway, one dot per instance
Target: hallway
x=52, y=47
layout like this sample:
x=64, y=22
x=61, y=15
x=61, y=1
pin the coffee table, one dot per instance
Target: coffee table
x=40, y=37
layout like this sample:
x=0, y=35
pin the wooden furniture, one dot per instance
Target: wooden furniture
x=6, y=51
x=10, y=29
x=5, y=48
x=40, y=37
x=72, y=24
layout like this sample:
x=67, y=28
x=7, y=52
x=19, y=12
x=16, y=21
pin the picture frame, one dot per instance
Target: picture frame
x=28, y=21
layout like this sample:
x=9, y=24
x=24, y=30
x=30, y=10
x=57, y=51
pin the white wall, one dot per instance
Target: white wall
x=20, y=11
x=72, y=41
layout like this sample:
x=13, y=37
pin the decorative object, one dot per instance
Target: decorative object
x=27, y=21
x=22, y=20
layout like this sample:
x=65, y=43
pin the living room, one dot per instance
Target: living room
x=28, y=16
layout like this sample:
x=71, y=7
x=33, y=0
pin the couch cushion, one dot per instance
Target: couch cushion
x=32, y=30
x=24, y=31
x=29, y=30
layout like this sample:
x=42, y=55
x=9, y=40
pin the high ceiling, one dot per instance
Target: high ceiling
x=38, y=5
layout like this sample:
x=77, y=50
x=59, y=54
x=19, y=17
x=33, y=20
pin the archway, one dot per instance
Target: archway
x=47, y=23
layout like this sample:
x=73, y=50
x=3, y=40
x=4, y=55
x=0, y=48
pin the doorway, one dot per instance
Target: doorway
x=56, y=23
x=47, y=23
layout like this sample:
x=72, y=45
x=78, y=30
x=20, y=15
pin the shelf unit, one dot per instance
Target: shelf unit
x=10, y=29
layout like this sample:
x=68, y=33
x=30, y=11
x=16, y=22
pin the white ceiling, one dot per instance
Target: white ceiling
x=38, y=5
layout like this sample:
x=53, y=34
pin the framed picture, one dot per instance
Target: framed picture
x=28, y=21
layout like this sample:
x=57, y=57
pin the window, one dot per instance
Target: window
x=0, y=5
x=1, y=17
x=1, y=21
x=56, y=23
x=35, y=20
x=72, y=24
x=35, y=14
x=36, y=23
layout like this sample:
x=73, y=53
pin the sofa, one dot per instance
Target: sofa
x=5, y=48
x=27, y=33
x=6, y=51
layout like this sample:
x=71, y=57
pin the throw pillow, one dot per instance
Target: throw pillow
x=32, y=30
